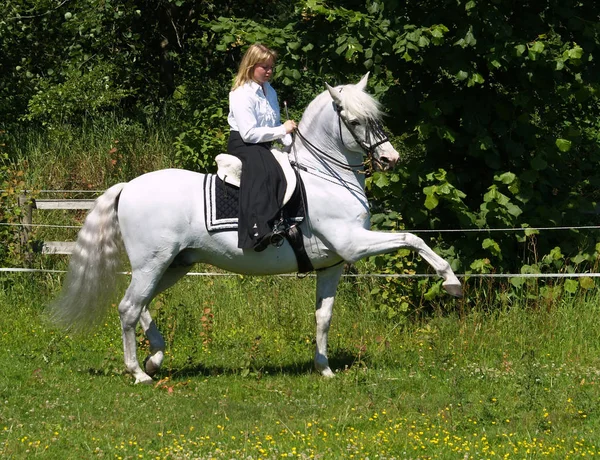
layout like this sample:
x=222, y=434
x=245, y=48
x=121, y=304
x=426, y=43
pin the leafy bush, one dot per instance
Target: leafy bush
x=11, y=185
x=83, y=94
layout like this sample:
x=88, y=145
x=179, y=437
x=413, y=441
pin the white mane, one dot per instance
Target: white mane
x=356, y=101
x=359, y=103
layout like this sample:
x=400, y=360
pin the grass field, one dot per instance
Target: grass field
x=237, y=383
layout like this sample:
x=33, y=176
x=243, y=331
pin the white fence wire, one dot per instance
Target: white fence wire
x=364, y=275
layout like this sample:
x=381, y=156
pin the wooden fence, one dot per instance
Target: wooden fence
x=28, y=205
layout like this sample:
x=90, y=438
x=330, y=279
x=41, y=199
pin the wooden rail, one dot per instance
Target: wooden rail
x=28, y=205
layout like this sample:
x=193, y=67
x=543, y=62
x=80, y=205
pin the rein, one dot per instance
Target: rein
x=347, y=167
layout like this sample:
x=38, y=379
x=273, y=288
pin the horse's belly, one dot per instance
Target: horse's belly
x=220, y=250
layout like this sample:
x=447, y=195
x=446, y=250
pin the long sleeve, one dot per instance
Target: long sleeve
x=254, y=115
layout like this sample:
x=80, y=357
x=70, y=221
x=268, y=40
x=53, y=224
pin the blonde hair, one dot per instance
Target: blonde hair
x=255, y=54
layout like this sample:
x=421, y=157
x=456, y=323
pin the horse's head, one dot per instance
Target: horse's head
x=360, y=116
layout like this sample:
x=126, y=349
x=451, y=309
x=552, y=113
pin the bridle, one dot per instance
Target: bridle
x=374, y=130
x=375, y=136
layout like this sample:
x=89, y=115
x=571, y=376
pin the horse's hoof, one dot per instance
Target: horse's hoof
x=144, y=380
x=151, y=366
x=454, y=290
x=327, y=372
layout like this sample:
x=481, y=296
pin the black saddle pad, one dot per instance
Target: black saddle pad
x=222, y=204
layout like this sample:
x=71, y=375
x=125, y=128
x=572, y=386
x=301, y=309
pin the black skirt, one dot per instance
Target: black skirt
x=262, y=189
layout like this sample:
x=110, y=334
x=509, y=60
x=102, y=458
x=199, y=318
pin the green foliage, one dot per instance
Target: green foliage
x=11, y=187
x=80, y=95
x=197, y=146
x=493, y=105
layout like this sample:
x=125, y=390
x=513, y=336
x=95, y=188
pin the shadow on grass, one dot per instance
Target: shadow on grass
x=340, y=360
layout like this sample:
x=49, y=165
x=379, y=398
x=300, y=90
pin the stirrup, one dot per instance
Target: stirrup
x=277, y=238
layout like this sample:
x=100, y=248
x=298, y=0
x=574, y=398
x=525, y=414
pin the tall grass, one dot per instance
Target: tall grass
x=90, y=157
x=87, y=158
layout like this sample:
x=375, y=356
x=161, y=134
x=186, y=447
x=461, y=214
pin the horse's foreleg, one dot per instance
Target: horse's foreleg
x=366, y=243
x=327, y=282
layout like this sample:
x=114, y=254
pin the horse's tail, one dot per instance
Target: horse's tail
x=91, y=279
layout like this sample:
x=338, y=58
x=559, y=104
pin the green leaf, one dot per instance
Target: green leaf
x=530, y=269
x=381, y=180
x=537, y=47
x=587, y=283
x=446, y=133
x=571, y=286
x=433, y=292
x=423, y=41
x=531, y=232
x=462, y=75
x=563, y=145
x=513, y=210
x=431, y=202
x=575, y=53
x=517, y=282
x=506, y=178
x=538, y=163
x=493, y=247
x=475, y=79
x=377, y=219
x=340, y=49
x=438, y=32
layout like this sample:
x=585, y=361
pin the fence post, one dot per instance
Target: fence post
x=26, y=218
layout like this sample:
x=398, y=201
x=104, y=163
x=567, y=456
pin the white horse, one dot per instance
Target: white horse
x=159, y=218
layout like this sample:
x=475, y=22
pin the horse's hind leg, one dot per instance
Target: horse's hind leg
x=327, y=283
x=136, y=299
x=154, y=361
x=145, y=284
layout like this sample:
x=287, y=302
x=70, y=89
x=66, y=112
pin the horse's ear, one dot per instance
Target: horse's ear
x=362, y=84
x=334, y=94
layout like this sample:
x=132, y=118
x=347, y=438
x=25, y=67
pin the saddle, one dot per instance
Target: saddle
x=222, y=195
x=230, y=171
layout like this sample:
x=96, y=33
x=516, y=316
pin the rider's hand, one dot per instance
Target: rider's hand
x=290, y=126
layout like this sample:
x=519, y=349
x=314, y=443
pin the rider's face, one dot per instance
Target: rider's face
x=263, y=71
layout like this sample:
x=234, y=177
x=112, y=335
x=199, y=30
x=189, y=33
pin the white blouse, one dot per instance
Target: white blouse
x=255, y=115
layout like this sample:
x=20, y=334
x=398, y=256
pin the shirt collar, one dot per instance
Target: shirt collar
x=255, y=87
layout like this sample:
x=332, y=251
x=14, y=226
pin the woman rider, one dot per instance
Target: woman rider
x=255, y=122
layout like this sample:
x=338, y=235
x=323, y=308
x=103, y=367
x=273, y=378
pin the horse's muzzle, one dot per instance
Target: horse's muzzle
x=384, y=164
